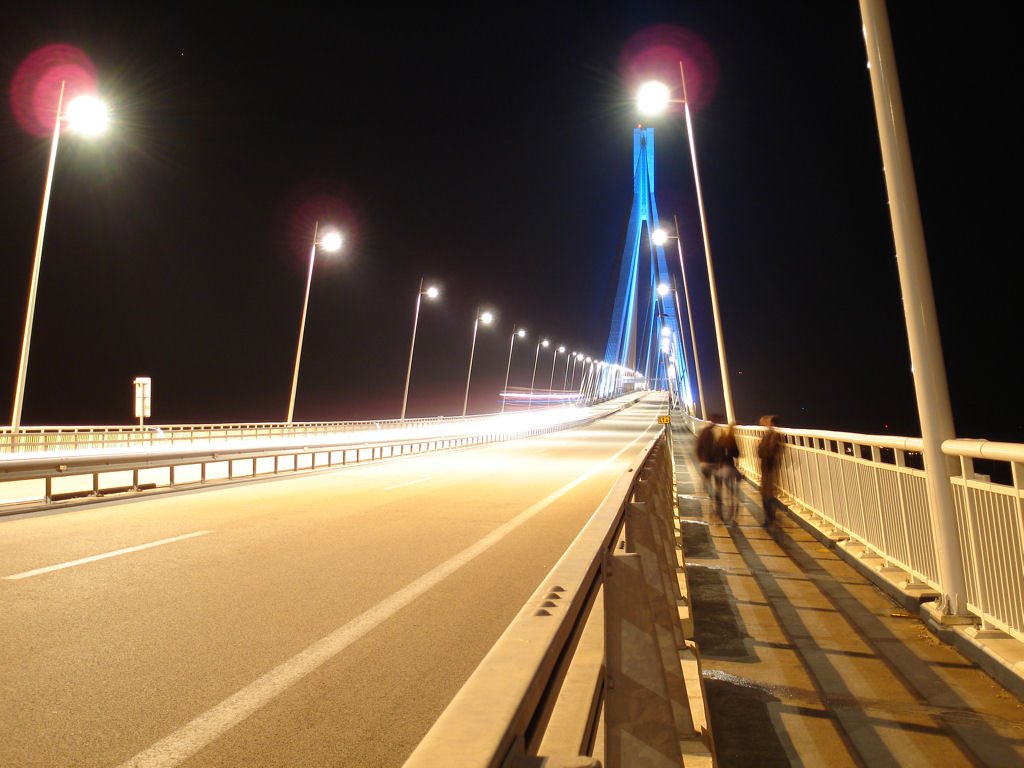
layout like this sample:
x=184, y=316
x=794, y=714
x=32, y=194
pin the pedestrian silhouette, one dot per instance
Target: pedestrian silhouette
x=707, y=440
x=727, y=451
x=769, y=453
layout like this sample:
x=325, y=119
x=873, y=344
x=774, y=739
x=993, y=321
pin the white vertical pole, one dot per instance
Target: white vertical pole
x=730, y=414
x=26, y=339
x=469, y=375
x=689, y=316
x=508, y=369
x=933, y=404
x=412, y=347
x=302, y=324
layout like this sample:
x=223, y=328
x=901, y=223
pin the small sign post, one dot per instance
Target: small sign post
x=143, y=398
x=664, y=419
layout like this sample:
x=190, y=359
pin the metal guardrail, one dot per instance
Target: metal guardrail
x=871, y=489
x=52, y=480
x=99, y=438
x=597, y=668
x=49, y=478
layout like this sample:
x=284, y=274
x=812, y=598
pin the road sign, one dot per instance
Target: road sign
x=143, y=397
x=664, y=419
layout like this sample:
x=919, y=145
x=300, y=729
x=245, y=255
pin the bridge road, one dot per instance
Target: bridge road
x=323, y=619
x=806, y=662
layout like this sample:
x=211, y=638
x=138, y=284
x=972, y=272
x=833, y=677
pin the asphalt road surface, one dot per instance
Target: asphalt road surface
x=316, y=620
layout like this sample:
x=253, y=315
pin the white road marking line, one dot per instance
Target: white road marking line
x=194, y=736
x=402, y=485
x=104, y=556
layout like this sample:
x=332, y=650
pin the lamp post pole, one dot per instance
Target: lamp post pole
x=565, y=379
x=654, y=97
x=730, y=414
x=430, y=293
x=26, y=339
x=533, y=379
x=521, y=333
x=486, y=318
x=554, y=357
x=689, y=317
x=331, y=242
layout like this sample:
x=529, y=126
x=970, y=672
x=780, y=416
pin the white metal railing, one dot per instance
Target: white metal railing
x=105, y=437
x=46, y=477
x=101, y=438
x=872, y=489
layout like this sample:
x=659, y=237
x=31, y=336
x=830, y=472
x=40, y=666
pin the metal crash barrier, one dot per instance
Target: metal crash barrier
x=599, y=668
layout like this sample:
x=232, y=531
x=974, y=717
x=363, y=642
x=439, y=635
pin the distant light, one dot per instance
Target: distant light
x=663, y=289
x=331, y=241
x=579, y=356
x=652, y=97
x=486, y=318
x=665, y=330
x=544, y=343
x=433, y=292
x=659, y=236
x=561, y=350
x=521, y=333
x=87, y=115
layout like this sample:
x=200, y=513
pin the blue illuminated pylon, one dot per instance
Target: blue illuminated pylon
x=645, y=335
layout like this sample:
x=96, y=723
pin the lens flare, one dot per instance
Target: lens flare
x=35, y=86
x=655, y=53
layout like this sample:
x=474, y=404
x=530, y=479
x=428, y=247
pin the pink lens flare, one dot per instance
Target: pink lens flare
x=655, y=53
x=35, y=87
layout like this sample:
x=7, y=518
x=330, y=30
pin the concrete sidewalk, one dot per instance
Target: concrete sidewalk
x=806, y=661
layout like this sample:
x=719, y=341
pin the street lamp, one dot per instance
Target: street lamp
x=86, y=115
x=575, y=359
x=554, y=357
x=431, y=292
x=481, y=317
x=521, y=333
x=653, y=98
x=660, y=236
x=542, y=343
x=331, y=241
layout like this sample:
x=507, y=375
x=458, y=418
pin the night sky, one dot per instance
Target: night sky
x=488, y=148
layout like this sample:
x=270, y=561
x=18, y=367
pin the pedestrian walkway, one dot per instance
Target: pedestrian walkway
x=806, y=662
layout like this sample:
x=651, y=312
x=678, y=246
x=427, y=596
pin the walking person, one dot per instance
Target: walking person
x=769, y=452
x=707, y=440
x=727, y=450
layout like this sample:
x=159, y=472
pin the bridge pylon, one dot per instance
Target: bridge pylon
x=645, y=334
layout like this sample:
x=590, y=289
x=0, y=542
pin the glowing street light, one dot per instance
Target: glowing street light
x=542, y=343
x=86, y=115
x=652, y=98
x=431, y=292
x=521, y=333
x=481, y=317
x=660, y=236
x=330, y=241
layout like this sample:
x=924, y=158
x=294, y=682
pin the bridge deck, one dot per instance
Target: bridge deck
x=806, y=662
